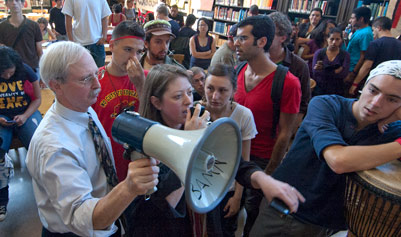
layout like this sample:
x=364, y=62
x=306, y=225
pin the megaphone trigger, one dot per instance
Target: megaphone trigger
x=136, y=156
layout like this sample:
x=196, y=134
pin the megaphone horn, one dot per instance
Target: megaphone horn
x=205, y=160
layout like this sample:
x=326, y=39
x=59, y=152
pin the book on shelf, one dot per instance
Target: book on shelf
x=378, y=9
x=385, y=9
x=221, y=28
x=305, y=6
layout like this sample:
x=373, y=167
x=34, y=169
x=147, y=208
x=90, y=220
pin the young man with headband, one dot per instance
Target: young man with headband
x=121, y=81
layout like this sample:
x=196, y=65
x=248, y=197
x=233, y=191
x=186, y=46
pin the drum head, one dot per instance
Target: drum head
x=386, y=177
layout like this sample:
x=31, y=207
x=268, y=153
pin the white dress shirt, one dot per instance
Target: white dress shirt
x=67, y=177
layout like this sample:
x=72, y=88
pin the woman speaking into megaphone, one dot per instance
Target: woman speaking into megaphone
x=166, y=98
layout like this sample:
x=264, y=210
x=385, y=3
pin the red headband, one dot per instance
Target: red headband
x=126, y=37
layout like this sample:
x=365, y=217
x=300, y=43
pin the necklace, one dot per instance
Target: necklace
x=120, y=105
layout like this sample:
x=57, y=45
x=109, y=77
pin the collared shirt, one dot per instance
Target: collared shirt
x=67, y=177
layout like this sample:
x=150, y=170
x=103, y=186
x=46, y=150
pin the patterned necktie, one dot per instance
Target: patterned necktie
x=102, y=153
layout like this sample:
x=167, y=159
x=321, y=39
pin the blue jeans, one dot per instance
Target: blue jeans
x=98, y=53
x=4, y=196
x=24, y=132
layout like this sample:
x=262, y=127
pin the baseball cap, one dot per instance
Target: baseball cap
x=158, y=27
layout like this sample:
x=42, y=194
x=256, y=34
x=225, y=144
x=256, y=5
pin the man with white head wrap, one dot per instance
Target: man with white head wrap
x=337, y=136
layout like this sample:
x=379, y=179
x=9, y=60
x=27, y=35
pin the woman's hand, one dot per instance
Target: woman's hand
x=319, y=65
x=195, y=122
x=338, y=70
x=20, y=119
x=232, y=206
x=352, y=90
x=3, y=122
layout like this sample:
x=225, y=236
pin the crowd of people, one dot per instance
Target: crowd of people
x=294, y=148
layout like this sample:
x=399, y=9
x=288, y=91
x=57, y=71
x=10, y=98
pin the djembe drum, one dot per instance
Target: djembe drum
x=373, y=201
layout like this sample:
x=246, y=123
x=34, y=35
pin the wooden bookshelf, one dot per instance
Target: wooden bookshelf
x=378, y=7
x=228, y=12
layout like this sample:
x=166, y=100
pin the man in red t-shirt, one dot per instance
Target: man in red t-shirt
x=254, y=38
x=121, y=82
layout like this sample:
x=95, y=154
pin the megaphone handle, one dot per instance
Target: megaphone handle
x=149, y=193
x=136, y=156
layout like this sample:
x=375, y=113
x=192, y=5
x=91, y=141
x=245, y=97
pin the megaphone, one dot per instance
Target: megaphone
x=205, y=160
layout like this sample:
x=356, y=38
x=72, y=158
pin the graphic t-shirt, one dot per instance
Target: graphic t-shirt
x=117, y=94
x=13, y=99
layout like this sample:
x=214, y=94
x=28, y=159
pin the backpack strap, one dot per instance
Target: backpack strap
x=276, y=93
x=20, y=32
x=239, y=67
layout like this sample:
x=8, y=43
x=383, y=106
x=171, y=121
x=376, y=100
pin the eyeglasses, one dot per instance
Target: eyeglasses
x=89, y=79
x=241, y=38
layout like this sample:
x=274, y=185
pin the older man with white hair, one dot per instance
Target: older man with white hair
x=70, y=158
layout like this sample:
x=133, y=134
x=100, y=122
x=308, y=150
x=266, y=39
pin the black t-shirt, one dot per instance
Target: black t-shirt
x=186, y=32
x=58, y=18
x=179, y=19
x=13, y=99
x=383, y=49
x=175, y=28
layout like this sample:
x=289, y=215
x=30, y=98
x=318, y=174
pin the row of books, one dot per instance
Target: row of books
x=221, y=27
x=305, y=6
x=378, y=9
x=230, y=14
x=263, y=4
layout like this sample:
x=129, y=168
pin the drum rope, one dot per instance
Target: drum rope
x=369, y=214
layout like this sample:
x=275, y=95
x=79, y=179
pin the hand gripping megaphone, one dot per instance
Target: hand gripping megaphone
x=205, y=160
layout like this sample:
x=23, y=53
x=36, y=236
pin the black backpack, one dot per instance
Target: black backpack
x=180, y=45
x=275, y=94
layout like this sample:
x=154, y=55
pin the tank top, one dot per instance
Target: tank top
x=203, y=63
